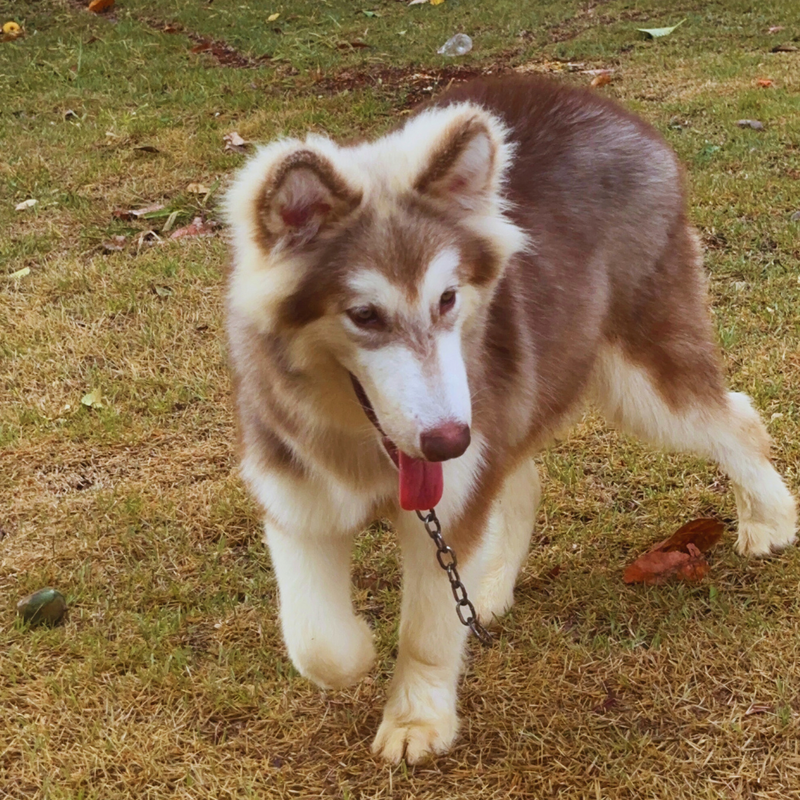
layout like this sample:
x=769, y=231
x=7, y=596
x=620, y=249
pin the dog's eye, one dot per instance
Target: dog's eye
x=447, y=300
x=365, y=317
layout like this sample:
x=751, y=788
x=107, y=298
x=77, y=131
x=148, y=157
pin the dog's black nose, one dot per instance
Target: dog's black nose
x=447, y=441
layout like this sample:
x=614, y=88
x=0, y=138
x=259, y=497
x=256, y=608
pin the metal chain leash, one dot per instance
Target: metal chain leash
x=446, y=557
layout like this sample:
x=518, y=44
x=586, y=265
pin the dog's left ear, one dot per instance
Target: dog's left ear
x=466, y=167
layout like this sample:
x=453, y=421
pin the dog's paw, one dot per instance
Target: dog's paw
x=414, y=740
x=334, y=658
x=758, y=539
x=773, y=530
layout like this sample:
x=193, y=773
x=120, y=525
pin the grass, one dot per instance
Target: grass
x=169, y=679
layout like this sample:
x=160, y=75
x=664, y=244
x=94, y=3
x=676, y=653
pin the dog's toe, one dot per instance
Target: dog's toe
x=415, y=741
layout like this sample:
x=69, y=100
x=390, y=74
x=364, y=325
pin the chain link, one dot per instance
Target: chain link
x=446, y=557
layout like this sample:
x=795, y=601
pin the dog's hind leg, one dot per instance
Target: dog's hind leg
x=693, y=416
x=507, y=540
x=659, y=377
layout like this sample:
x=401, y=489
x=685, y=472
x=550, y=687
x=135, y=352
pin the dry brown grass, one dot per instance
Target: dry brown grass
x=169, y=679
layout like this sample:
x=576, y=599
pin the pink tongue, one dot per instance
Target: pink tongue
x=421, y=483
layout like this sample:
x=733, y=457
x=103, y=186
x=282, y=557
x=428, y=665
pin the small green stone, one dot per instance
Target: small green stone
x=45, y=607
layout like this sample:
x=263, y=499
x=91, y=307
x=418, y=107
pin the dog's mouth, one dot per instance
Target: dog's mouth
x=421, y=481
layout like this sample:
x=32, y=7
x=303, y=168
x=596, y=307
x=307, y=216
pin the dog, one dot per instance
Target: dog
x=410, y=320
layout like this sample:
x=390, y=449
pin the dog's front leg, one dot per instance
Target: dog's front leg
x=420, y=716
x=326, y=641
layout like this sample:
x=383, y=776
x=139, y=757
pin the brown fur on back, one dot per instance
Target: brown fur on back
x=612, y=261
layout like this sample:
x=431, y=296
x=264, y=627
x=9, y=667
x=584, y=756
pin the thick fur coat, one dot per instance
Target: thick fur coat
x=443, y=300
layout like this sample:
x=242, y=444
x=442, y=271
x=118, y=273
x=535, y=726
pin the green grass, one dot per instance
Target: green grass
x=169, y=678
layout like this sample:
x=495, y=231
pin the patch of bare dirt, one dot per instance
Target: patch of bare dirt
x=221, y=51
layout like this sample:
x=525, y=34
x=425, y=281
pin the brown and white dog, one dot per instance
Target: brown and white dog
x=411, y=319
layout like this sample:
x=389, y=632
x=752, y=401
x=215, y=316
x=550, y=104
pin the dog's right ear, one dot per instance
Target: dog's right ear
x=303, y=197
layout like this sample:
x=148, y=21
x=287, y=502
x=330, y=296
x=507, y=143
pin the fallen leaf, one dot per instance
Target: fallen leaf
x=147, y=148
x=436, y=2
x=25, y=204
x=611, y=701
x=657, y=567
x=99, y=6
x=750, y=123
x=784, y=48
x=758, y=708
x=795, y=217
x=147, y=237
x=234, y=143
x=776, y=29
x=370, y=13
x=137, y=213
x=201, y=48
x=272, y=17
x=170, y=222
x=553, y=573
x=680, y=556
x=764, y=82
x=20, y=273
x=418, y=2
x=657, y=33
x=703, y=533
x=162, y=291
x=116, y=244
x=602, y=79
x=93, y=399
x=197, y=227
x=197, y=188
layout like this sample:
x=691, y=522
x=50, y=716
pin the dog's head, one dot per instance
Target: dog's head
x=381, y=257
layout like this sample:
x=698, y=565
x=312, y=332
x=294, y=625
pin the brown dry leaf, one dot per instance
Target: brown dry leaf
x=116, y=244
x=197, y=227
x=136, y=213
x=601, y=79
x=234, y=143
x=784, y=48
x=197, y=188
x=758, y=708
x=703, y=533
x=99, y=6
x=764, y=83
x=680, y=556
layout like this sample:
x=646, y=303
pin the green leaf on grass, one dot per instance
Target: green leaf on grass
x=94, y=399
x=20, y=273
x=370, y=13
x=657, y=33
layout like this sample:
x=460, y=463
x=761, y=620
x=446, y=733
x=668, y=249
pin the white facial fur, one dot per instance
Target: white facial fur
x=414, y=372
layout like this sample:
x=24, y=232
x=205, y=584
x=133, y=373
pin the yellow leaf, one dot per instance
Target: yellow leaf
x=94, y=399
x=436, y=2
x=272, y=17
x=20, y=273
